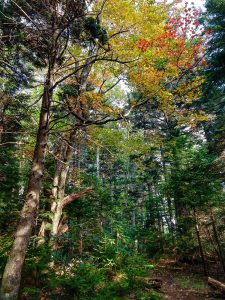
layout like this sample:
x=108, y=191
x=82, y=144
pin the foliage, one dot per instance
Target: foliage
x=136, y=114
x=213, y=100
x=89, y=278
x=172, y=64
x=6, y=243
x=82, y=280
x=31, y=293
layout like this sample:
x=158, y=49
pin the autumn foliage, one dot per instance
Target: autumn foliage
x=171, y=64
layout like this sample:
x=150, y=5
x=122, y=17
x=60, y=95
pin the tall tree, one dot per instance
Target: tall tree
x=214, y=86
x=46, y=32
x=60, y=38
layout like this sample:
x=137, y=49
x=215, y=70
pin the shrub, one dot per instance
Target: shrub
x=82, y=280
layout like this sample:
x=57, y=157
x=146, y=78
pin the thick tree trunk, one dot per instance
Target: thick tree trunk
x=12, y=274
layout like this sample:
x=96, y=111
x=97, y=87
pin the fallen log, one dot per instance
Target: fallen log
x=217, y=288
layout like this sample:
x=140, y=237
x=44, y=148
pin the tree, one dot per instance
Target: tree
x=214, y=86
x=48, y=31
x=143, y=185
x=173, y=61
x=44, y=28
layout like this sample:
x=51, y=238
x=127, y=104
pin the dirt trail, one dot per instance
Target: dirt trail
x=181, y=284
x=177, y=286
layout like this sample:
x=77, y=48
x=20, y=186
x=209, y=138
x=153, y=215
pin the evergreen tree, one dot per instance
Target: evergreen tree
x=214, y=100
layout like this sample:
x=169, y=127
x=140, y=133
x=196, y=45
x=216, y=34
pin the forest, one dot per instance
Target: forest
x=112, y=149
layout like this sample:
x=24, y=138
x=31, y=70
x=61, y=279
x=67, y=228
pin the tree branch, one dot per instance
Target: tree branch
x=68, y=199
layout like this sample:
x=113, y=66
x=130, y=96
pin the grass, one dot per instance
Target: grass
x=193, y=282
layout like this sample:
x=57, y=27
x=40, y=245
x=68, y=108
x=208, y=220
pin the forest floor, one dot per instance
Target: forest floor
x=181, y=282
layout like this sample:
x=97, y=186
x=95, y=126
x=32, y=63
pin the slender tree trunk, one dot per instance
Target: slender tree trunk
x=12, y=273
x=168, y=203
x=216, y=236
x=98, y=162
x=60, y=178
x=211, y=240
x=59, y=157
x=134, y=226
x=62, y=168
x=200, y=243
x=80, y=245
x=64, y=156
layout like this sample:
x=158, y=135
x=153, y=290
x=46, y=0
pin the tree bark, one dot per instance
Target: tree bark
x=68, y=199
x=62, y=168
x=12, y=273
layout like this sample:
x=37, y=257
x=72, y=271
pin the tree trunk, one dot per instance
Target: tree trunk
x=216, y=236
x=62, y=168
x=98, y=163
x=12, y=273
x=60, y=201
x=64, y=156
x=200, y=243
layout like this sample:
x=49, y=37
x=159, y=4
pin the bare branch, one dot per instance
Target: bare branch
x=68, y=199
x=110, y=88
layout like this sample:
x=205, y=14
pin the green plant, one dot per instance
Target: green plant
x=191, y=282
x=135, y=266
x=82, y=280
x=31, y=293
x=5, y=244
x=151, y=295
x=37, y=264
